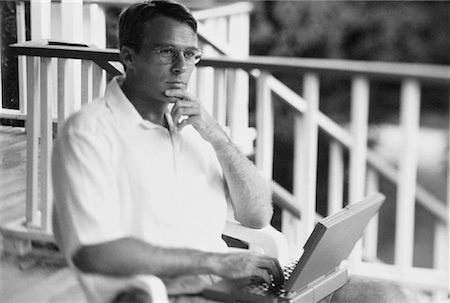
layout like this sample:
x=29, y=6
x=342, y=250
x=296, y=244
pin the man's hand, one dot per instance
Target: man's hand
x=247, y=264
x=188, y=110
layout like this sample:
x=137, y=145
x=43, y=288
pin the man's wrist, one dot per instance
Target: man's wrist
x=221, y=142
x=212, y=263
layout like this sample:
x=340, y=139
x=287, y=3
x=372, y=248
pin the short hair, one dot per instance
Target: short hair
x=132, y=20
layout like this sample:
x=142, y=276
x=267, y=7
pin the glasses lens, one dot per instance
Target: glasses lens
x=168, y=55
x=192, y=56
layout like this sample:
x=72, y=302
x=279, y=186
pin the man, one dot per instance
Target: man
x=142, y=176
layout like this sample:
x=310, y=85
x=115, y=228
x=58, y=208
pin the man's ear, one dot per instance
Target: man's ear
x=127, y=55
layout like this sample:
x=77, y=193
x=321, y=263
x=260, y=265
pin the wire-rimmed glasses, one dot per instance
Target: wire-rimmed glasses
x=168, y=55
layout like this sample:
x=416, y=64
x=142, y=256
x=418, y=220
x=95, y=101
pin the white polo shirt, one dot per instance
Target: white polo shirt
x=117, y=175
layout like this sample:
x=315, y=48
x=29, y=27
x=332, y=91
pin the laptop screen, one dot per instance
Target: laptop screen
x=332, y=240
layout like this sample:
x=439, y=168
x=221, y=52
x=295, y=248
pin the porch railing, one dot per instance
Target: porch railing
x=47, y=104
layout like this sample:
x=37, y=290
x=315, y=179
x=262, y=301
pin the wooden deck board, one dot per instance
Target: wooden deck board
x=25, y=281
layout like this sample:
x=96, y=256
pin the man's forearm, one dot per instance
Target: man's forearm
x=130, y=256
x=249, y=191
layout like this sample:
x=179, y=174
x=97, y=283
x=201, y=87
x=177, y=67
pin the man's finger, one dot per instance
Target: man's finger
x=179, y=93
x=180, y=112
x=185, y=122
x=273, y=267
x=261, y=273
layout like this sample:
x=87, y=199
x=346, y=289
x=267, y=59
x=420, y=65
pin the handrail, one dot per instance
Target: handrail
x=424, y=72
x=439, y=74
x=429, y=73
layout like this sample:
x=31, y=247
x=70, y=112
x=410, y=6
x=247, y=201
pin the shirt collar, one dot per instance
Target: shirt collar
x=124, y=111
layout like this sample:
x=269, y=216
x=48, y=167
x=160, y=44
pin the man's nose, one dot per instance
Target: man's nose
x=179, y=65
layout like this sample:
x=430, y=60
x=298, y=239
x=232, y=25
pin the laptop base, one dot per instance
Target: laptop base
x=229, y=290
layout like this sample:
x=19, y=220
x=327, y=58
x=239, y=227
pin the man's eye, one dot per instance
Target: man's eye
x=167, y=52
x=189, y=54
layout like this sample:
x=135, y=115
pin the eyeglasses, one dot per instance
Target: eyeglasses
x=168, y=55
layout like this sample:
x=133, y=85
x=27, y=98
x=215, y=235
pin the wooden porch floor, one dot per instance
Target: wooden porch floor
x=29, y=278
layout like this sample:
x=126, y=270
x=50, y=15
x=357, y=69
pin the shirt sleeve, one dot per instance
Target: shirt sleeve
x=85, y=192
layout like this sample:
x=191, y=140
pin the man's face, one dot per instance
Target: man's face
x=150, y=75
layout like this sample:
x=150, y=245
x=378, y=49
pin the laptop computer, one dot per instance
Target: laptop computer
x=319, y=270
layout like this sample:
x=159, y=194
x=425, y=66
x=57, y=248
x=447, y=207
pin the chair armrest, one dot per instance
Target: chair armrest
x=102, y=289
x=270, y=240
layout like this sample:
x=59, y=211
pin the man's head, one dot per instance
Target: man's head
x=132, y=21
x=159, y=48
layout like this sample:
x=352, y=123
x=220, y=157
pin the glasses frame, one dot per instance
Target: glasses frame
x=171, y=58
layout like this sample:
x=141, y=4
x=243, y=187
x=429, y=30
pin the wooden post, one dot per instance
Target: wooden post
x=40, y=19
x=359, y=127
x=71, y=17
x=32, y=128
x=409, y=118
x=22, y=62
x=358, y=151
x=46, y=143
x=205, y=86
x=441, y=257
x=335, y=178
x=371, y=234
x=265, y=127
x=220, y=100
x=87, y=81
x=239, y=37
x=305, y=163
x=64, y=108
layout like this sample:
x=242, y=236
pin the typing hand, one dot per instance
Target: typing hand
x=248, y=264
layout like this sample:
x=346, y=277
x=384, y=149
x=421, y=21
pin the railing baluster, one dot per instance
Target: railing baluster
x=305, y=158
x=46, y=101
x=22, y=63
x=358, y=150
x=205, y=86
x=265, y=126
x=441, y=257
x=87, y=81
x=33, y=130
x=335, y=178
x=409, y=119
x=371, y=234
x=99, y=81
x=63, y=102
x=359, y=127
x=220, y=100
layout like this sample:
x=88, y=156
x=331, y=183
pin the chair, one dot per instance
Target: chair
x=100, y=288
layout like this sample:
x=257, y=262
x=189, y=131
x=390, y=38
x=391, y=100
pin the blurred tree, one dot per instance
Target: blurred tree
x=406, y=31
x=9, y=69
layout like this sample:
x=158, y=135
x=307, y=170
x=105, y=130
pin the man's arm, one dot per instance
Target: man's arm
x=130, y=256
x=250, y=193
